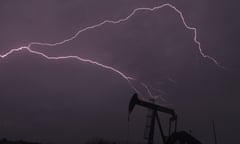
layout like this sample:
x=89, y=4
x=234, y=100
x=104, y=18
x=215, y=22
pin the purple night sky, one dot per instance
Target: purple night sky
x=71, y=101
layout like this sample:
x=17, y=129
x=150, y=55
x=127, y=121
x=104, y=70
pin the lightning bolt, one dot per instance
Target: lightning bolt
x=128, y=78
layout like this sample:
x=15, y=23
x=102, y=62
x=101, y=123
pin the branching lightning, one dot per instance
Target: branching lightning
x=128, y=78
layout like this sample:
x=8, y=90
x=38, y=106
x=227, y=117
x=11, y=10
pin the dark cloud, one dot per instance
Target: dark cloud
x=72, y=101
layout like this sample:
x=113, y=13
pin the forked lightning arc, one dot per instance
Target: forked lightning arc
x=128, y=78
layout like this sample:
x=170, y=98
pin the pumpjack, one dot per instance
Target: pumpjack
x=174, y=136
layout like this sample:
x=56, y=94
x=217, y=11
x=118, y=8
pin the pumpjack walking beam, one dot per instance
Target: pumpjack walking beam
x=136, y=101
x=173, y=138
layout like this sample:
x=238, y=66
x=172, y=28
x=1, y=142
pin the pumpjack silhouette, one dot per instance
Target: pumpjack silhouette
x=175, y=137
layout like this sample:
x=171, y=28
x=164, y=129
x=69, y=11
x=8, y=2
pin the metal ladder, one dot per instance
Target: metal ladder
x=148, y=123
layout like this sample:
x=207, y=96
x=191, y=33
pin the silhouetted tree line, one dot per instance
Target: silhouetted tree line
x=100, y=141
x=92, y=141
x=104, y=141
x=5, y=141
